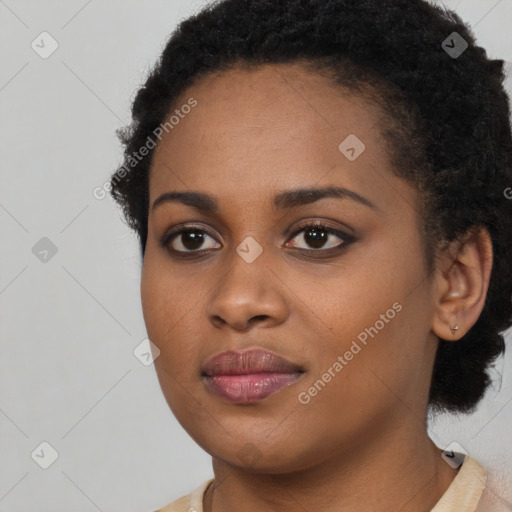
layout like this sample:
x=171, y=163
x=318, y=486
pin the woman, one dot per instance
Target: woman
x=318, y=190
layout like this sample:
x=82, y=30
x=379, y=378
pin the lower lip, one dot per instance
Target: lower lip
x=243, y=389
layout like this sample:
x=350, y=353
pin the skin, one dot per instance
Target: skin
x=363, y=437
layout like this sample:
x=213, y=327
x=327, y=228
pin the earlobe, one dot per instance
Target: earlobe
x=462, y=280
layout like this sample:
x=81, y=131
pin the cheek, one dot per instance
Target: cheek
x=370, y=374
x=155, y=301
x=378, y=318
x=169, y=310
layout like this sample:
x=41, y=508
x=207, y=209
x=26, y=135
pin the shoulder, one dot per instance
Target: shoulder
x=496, y=496
x=466, y=489
x=192, y=502
x=180, y=505
x=475, y=489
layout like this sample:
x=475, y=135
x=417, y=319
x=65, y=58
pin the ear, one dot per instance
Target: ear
x=462, y=279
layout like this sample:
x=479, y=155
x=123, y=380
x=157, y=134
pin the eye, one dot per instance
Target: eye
x=317, y=234
x=188, y=239
x=192, y=240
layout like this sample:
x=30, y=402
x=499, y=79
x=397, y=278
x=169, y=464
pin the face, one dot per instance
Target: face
x=349, y=302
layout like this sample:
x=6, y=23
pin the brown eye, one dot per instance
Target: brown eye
x=188, y=240
x=316, y=235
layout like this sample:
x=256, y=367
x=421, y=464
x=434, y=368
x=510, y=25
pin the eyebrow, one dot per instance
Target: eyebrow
x=283, y=200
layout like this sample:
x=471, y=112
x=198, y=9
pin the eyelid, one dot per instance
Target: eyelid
x=322, y=224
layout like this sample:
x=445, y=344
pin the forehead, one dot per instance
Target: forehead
x=258, y=130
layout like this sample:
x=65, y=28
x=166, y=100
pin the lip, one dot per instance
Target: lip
x=249, y=376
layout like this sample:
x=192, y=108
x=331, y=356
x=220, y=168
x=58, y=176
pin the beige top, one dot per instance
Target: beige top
x=463, y=495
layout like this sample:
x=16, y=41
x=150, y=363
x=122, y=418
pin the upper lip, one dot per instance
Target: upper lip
x=250, y=361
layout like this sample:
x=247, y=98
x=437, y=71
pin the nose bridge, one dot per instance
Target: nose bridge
x=248, y=288
x=246, y=264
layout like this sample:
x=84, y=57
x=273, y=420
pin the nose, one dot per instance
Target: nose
x=248, y=294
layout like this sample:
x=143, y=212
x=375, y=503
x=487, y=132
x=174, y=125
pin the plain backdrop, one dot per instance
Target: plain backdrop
x=70, y=270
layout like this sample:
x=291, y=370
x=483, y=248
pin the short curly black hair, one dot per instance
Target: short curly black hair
x=448, y=119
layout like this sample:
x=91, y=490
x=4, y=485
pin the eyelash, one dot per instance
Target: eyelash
x=316, y=225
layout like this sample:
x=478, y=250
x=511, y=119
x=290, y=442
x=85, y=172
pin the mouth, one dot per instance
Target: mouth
x=248, y=377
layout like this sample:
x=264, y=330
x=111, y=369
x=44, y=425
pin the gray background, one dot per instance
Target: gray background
x=68, y=375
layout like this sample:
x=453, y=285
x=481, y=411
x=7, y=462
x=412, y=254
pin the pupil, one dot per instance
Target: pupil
x=194, y=237
x=318, y=239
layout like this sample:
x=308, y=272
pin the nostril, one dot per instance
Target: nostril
x=263, y=317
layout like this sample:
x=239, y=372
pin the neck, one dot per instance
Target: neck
x=402, y=472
